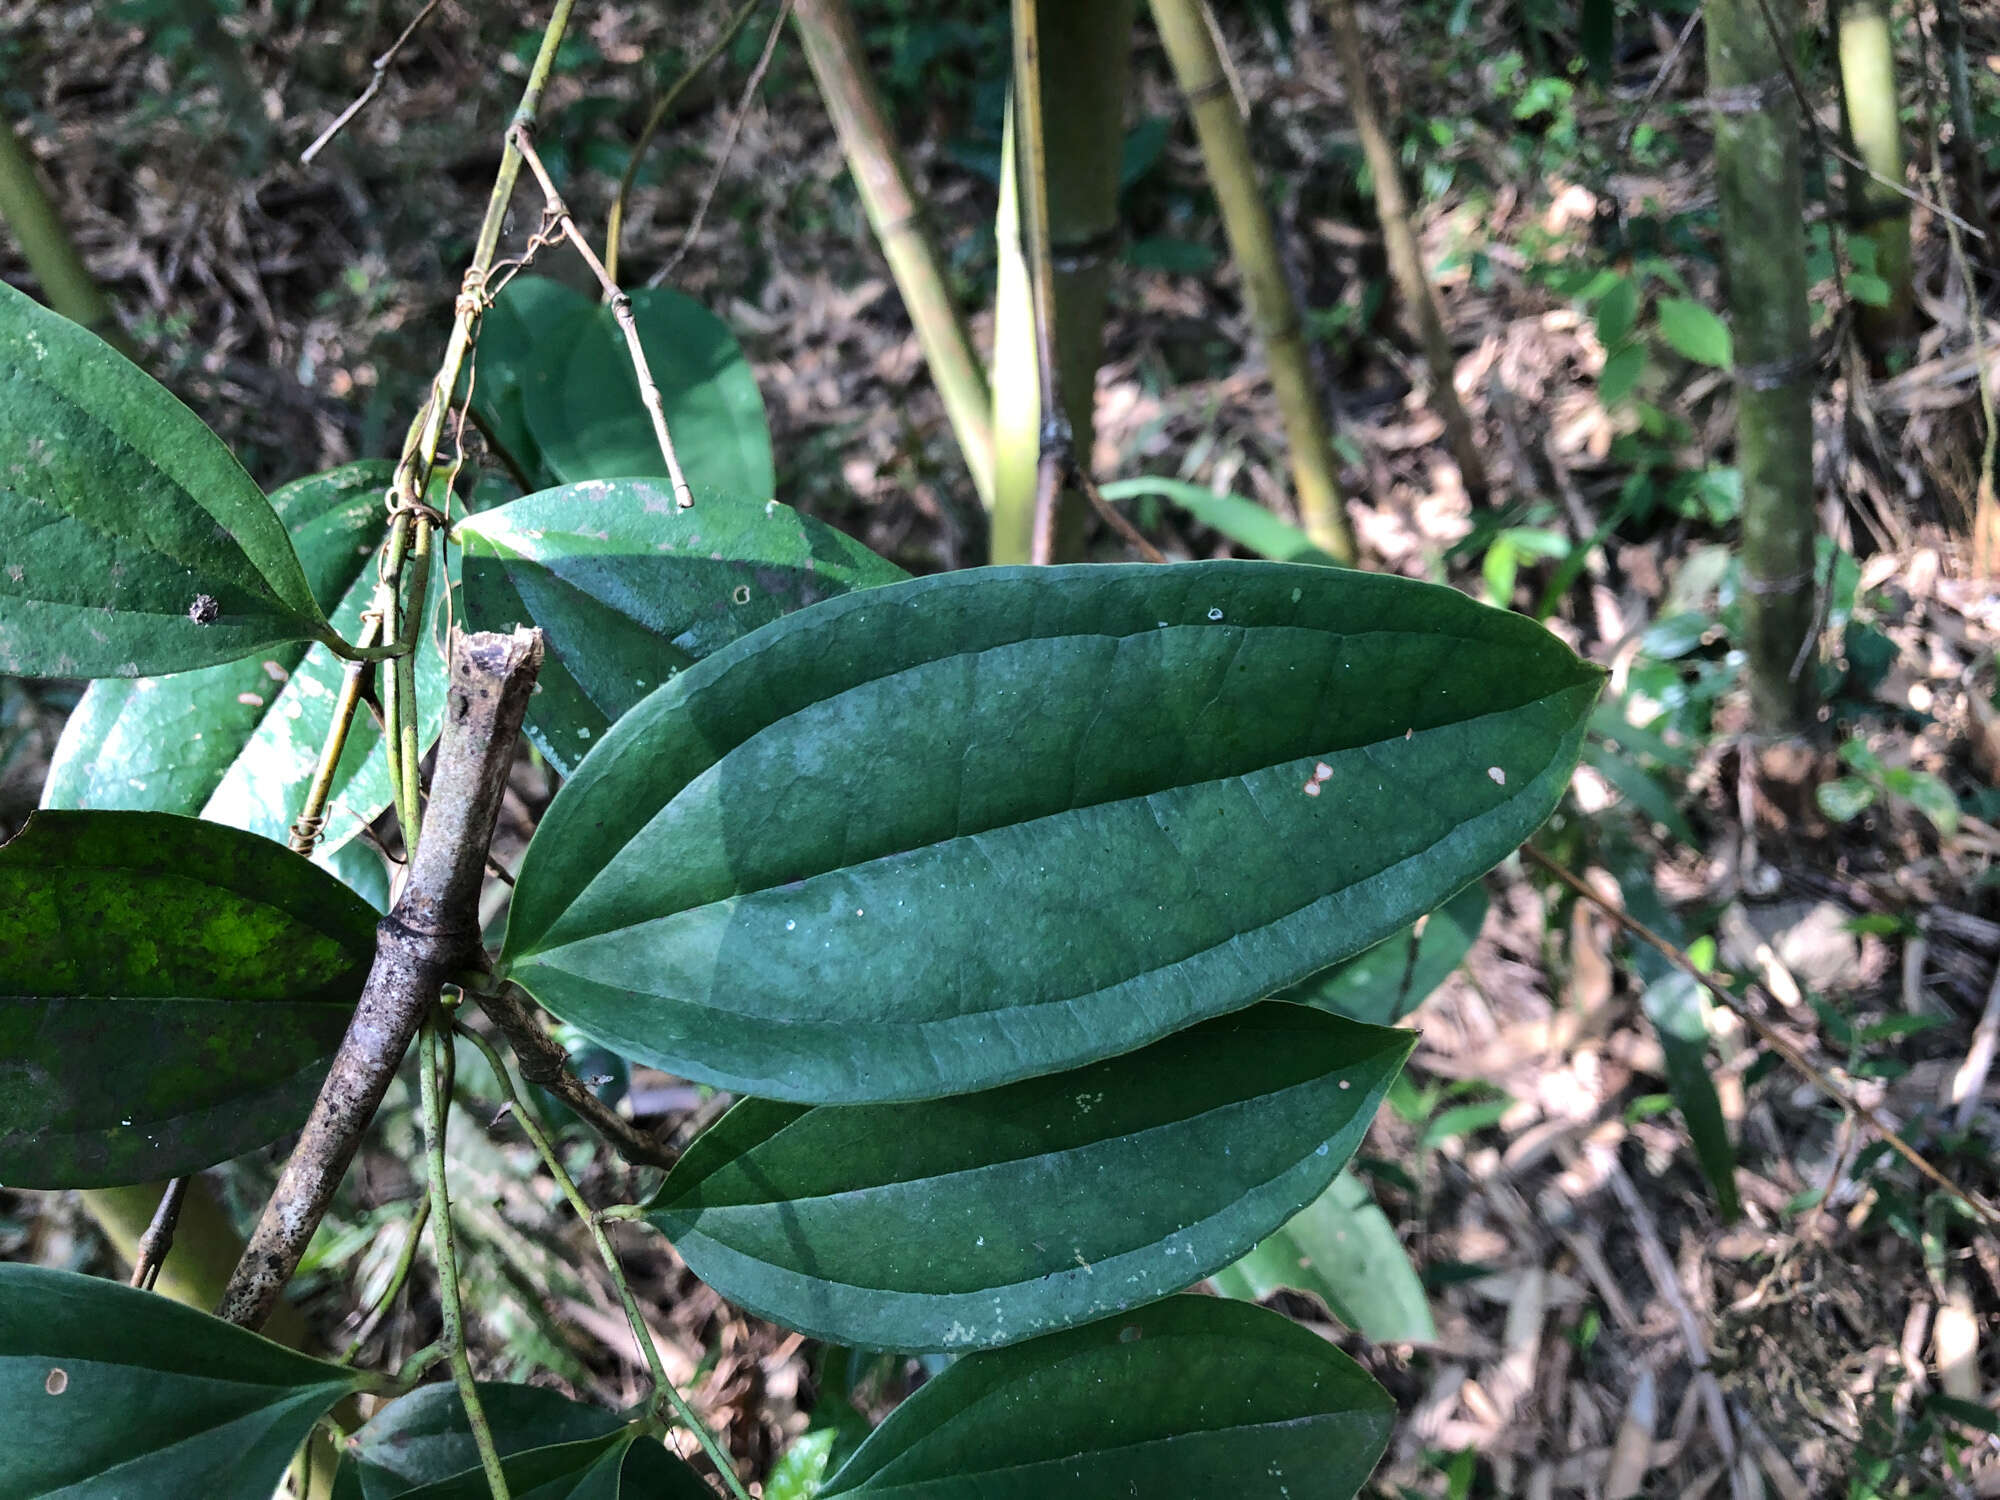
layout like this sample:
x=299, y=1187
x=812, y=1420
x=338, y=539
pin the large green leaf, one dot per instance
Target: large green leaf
x=937, y=836
x=171, y=992
x=1343, y=1250
x=421, y=1448
x=108, y=1393
x=527, y=317
x=423, y=1437
x=1391, y=979
x=989, y=1218
x=1189, y=1399
x=581, y=399
x=131, y=540
x=629, y=589
x=238, y=743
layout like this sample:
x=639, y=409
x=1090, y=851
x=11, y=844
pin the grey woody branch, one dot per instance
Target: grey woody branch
x=431, y=934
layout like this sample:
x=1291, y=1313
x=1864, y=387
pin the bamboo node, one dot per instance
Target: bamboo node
x=1774, y=374
x=1748, y=98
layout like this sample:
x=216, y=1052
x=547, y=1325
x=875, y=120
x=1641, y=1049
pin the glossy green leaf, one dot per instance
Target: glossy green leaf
x=108, y=1393
x=1244, y=522
x=629, y=589
x=527, y=318
x=1391, y=979
x=1695, y=332
x=937, y=836
x=131, y=540
x=1189, y=1399
x=624, y=1466
x=171, y=992
x=985, y=1219
x=423, y=1437
x=1343, y=1250
x=801, y=1468
x=421, y=1448
x=582, y=400
x=238, y=743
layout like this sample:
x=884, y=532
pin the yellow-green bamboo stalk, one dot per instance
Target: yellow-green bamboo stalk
x=1017, y=401
x=1764, y=271
x=1246, y=219
x=1399, y=240
x=1085, y=55
x=839, y=66
x=1875, y=209
x=46, y=246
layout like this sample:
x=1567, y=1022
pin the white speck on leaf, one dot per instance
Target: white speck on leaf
x=1311, y=788
x=1499, y=776
x=1215, y=611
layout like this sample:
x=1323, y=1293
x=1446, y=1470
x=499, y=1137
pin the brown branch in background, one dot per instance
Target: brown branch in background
x=545, y=1064
x=615, y=223
x=381, y=67
x=431, y=934
x=559, y=219
x=750, y=87
x=159, y=1236
x=1766, y=1033
x=1399, y=239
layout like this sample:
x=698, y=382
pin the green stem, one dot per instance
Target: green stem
x=614, y=225
x=641, y=1334
x=46, y=246
x=406, y=1258
x=1763, y=251
x=840, y=67
x=410, y=530
x=1399, y=240
x=435, y=1087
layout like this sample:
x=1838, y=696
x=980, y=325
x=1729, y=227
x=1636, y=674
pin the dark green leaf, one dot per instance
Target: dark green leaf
x=937, y=836
x=1189, y=1399
x=1695, y=332
x=1391, y=979
x=1675, y=1006
x=423, y=1437
x=981, y=1220
x=131, y=540
x=582, y=400
x=108, y=1393
x=1244, y=522
x=1462, y=1119
x=1620, y=376
x=525, y=320
x=238, y=743
x=171, y=992
x=629, y=589
x=1343, y=1250
x=1617, y=312
x=625, y=1466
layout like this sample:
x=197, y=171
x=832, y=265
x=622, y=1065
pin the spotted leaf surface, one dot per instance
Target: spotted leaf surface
x=988, y=1218
x=1189, y=1399
x=937, y=836
x=131, y=540
x=171, y=992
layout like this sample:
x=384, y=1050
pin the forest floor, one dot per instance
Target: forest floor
x=1602, y=1328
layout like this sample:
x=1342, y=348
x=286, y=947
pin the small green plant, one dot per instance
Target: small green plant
x=1872, y=782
